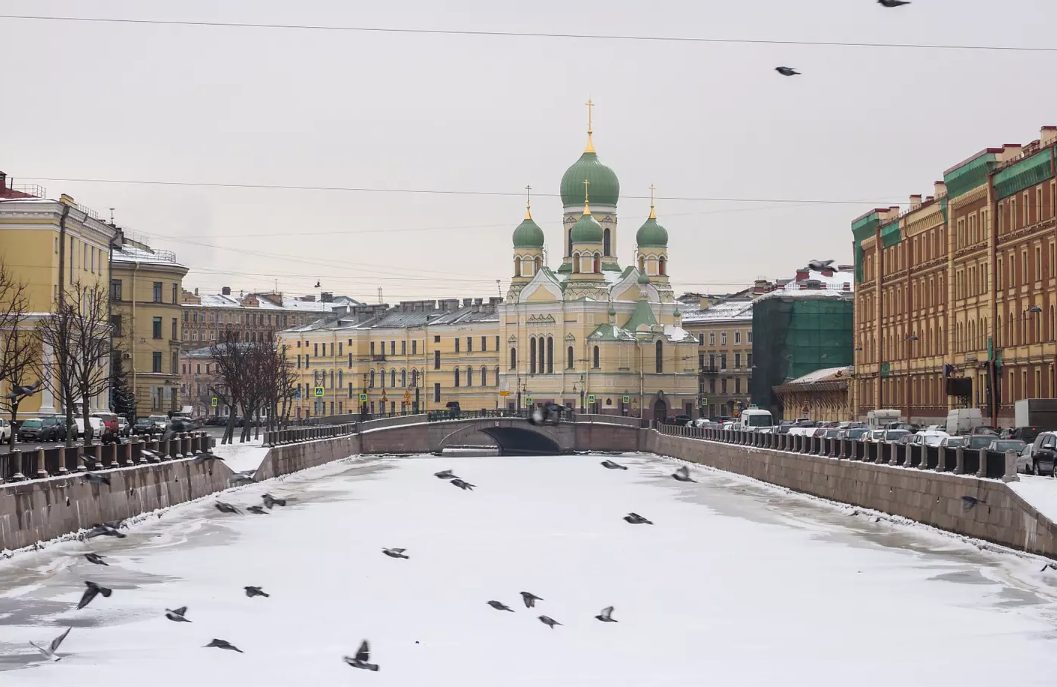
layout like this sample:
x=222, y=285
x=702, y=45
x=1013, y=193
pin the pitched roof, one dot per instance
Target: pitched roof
x=641, y=316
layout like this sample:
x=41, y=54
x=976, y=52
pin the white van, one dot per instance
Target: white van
x=962, y=420
x=755, y=420
x=879, y=419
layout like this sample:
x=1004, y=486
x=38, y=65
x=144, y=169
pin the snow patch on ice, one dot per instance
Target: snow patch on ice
x=243, y=457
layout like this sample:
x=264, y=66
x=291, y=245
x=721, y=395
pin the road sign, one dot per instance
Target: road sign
x=213, y=402
x=504, y=393
x=590, y=398
x=626, y=399
x=363, y=398
x=297, y=394
x=319, y=391
x=528, y=400
x=704, y=401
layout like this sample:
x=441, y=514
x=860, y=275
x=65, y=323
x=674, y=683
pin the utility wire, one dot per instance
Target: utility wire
x=530, y=34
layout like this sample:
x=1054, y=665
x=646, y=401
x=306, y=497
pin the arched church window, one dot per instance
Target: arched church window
x=569, y=250
x=660, y=357
x=606, y=243
x=517, y=267
x=532, y=356
x=569, y=358
x=513, y=358
x=595, y=358
x=662, y=266
x=576, y=262
x=484, y=376
x=550, y=355
x=642, y=265
x=537, y=264
x=597, y=264
x=414, y=379
x=370, y=378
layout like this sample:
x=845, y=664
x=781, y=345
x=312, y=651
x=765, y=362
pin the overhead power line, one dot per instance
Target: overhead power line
x=530, y=34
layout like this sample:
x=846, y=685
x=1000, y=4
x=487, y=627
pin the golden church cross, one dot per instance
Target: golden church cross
x=590, y=103
x=586, y=184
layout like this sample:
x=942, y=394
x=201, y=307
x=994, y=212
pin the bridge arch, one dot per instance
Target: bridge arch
x=511, y=437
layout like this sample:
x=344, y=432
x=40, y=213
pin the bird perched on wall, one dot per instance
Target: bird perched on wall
x=786, y=71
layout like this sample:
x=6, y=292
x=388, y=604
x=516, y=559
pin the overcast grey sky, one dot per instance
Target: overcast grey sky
x=464, y=113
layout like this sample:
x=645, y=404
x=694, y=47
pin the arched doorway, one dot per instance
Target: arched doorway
x=660, y=410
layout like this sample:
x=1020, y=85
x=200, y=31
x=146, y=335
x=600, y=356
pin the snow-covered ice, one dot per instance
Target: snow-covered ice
x=243, y=457
x=736, y=584
x=1040, y=492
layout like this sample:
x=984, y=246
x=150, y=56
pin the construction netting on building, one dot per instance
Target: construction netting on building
x=793, y=336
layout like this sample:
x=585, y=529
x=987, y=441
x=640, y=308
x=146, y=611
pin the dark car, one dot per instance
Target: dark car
x=143, y=425
x=681, y=420
x=979, y=441
x=1044, y=453
x=215, y=421
x=47, y=428
x=1025, y=434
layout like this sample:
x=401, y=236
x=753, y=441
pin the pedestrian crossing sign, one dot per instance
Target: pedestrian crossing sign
x=213, y=402
x=626, y=399
x=528, y=400
x=319, y=391
x=363, y=398
x=590, y=398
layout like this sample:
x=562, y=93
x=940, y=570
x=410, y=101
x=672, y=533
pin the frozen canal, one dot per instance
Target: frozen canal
x=735, y=584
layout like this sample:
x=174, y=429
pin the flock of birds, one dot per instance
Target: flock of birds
x=789, y=71
x=362, y=658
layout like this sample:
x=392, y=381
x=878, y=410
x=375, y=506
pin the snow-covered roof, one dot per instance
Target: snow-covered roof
x=821, y=375
x=132, y=254
x=219, y=300
x=722, y=311
x=838, y=285
x=676, y=333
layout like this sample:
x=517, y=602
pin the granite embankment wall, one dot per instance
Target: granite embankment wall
x=928, y=497
x=288, y=458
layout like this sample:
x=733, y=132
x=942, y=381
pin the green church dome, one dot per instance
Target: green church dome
x=644, y=278
x=586, y=229
x=528, y=234
x=651, y=234
x=603, y=186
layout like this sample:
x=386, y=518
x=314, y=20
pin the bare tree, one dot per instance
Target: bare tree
x=231, y=362
x=79, y=333
x=20, y=349
x=56, y=335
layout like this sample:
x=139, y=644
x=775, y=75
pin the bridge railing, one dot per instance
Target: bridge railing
x=294, y=435
x=444, y=415
x=982, y=463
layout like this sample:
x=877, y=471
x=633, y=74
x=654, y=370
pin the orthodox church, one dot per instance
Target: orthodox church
x=616, y=331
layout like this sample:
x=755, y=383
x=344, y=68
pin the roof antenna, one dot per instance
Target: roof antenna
x=380, y=301
x=498, y=288
x=111, y=216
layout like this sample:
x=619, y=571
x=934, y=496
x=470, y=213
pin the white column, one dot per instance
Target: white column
x=47, y=399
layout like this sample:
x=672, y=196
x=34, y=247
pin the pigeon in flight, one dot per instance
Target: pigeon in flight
x=255, y=591
x=223, y=644
x=395, y=553
x=226, y=507
x=270, y=501
x=105, y=529
x=203, y=457
x=89, y=460
x=177, y=614
x=462, y=484
x=362, y=658
x=636, y=519
x=96, y=558
x=819, y=265
x=93, y=591
x=893, y=3
x=530, y=599
x=1048, y=566
x=682, y=475
x=97, y=479
x=549, y=621
x=606, y=616
x=20, y=391
x=786, y=71
x=445, y=474
x=969, y=502
x=500, y=606
x=49, y=651
x=610, y=465
x=150, y=454
x=257, y=510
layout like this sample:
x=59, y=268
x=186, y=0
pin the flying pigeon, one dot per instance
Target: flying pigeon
x=239, y=478
x=1048, y=566
x=226, y=507
x=85, y=458
x=255, y=591
x=223, y=644
x=500, y=606
x=203, y=457
x=462, y=485
x=682, y=475
x=549, y=621
x=177, y=614
x=18, y=391
x=636, y=519
x=786, y=71
x=148, y=453
x=97, y=479
x=819, y=265
x=96, y=558
x=105, y=529
x=606, y=615
x=49, y=651
x=395, y=553
x=270, y=501
x=445, y=474
x=893, y=3
x=969, y=502
x=610, y=465
x=362, y=658
x=530, y=599
x=258, y=510
x=93, y=591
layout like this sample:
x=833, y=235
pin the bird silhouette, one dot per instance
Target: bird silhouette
x=445, y=474
x=786, y=71
x=682, y=475
x=96, y=559
x=96, y=479
x=819, y=265
x=362, y=659
x=395, y=553
x=530, y=599
x=105, y=529
x=893, y=3
x=257, y=510
x=49, y=650
x=223, y=644
x=177, y=614
x=500, y=606
x=462, y=484
x=606, y=615
x=226, y=507
x=23, y=391
x=270, y=501
x=91, y=592
x=240, y=478
x=1048, y=566
x=207, y=456
x=255, y=591
x=636, y=519
x=549, y=621
x=969, y=502
x=317, y=283
x=610, y=465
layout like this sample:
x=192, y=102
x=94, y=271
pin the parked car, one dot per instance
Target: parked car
x=5, y=429
x=680, y=420
x=44, y=428
x=98, y=430
x=875, y=436
x=854, y=433
x=161, y=422
x=894, y=436
x=952, y=442
x=979, y=441
x=143, y=425
x=1043, y=453
x=111, y=428
x=1003, y=445
x=929, y=437
x=1024, y=459
x=123, y=427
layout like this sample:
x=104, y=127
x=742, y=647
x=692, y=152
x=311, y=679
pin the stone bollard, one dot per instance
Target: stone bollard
x=1011, y=468
x=61, y=451
x=941, y=459
x=843, y=448
x=16, y=462
x=41, y=472
x=982, y=470
x=959, y=460
x=126, y=451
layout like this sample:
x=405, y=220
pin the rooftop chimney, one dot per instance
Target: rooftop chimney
x=196, y=290
x=225, y=290
x=761, y=286
x=939, y=189
x=3, y=181
x=915, y=201
x=1047, y=136
x=802, y=274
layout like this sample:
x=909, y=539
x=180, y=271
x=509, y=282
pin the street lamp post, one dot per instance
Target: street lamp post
x=582, y=394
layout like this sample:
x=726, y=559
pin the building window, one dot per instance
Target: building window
x=436, y=360
x=737, y=361
x=298, y=361
x=403, y=347
x=370, y=379
x=392, y=379
x=157, y=292
x=737, y=385
x=749, y=361
x=456, y=377
x=456, y=344
x=737, y=337
x=307, y=359
x=594, y=357
x=414, y=379
x=469, y=345
x=175, y=293
x=659, y=355
x=372, y=348
x=484, y=376
x=484, y=345
x=497, y=343
x=722, y=361
x=748, y=336
x=339, y=349
x=723, y=386
x=711, y=338
x=175, y=362
x=513, y=358
x=712, y=386
x=115, y=324
x=532, y=356
x=436, y=392
x=569, y=358
x=469, y=376
x=722, y=338
x=315, y=349
x=414, y=347
x=115, y=289
x=550, y=355
x=187, y=335
x=156, y=361
x=156, y=329
x=174, y=329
